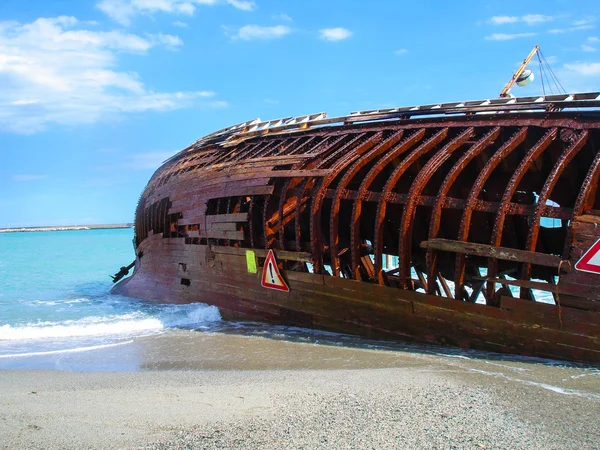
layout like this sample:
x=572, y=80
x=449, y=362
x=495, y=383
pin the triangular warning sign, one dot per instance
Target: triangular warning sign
x=271, y=278
x=590, y=261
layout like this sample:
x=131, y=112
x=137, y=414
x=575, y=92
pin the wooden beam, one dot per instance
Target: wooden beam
x=261, y=253
x=491, y=251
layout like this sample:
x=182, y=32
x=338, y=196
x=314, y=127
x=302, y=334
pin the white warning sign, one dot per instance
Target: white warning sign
x=271, y=278
x=590, y=261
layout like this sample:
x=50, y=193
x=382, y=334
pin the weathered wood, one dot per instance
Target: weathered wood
x=219, y=218
x=262, y=253
x=509, y=254
x=225, y=226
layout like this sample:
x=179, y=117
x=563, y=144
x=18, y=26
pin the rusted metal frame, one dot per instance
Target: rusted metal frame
x=290, y=184
x=346, y=179
x=307, y=142
x=518, y=209
x=417, y=186
x=328, y=145
x=263, y=151
x=588, y=187
x=287, y=144
x=391, y=182
x=472, y=200
x=565, y=158
x=351, y=154
x=264, y=220
x=456, y=170
x=246, y=152
x=282, y=199
x=297, y=230
x=226, y=155
x=251, y=221
x=333, y=158
x=534, y=153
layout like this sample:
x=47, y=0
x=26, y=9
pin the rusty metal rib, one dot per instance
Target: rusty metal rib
x=403, y=147
x=243, y=148
x=436, y=214
x=260, y=152
x=565, y=158
x=346, y=179
x=310, y=141
x=583, y=202
x=329, y=145
x=251, y=221
x=511, y=188
x=391, y=183
x=465, y=223
x=352, y=153
x=287, y=144
x=425, y=174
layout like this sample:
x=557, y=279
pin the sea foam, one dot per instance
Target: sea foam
x=116, y=325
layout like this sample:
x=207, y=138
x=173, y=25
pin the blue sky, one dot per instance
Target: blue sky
x=94, y=94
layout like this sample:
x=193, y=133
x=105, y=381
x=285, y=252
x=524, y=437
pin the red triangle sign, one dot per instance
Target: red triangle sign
x=271, y=278
x=590, y=261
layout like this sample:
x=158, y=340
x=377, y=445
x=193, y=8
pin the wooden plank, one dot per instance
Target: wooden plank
x=224, y=226
x=588, y=219
x=539, y=285
x=491, y=251
x=222, y=234
x=267, y=160
x=238, y=217
x=574, y=315
x=261, y=253
x=298, y=173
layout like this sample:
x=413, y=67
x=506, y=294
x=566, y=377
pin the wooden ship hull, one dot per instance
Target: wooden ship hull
x=458, y=224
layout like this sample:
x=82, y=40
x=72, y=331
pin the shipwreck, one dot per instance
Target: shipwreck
x=473, y=224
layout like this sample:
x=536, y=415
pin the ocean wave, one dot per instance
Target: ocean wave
x=117, y=324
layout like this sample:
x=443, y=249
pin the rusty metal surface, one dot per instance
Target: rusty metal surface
x=458, y=207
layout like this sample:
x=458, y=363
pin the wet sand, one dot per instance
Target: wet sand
x=186, y=389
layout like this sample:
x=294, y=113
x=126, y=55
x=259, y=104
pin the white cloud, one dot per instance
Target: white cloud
x=283, y=17
x=507, y=37
x=584, y=68
x=529, y=19
x=168, y=40
x=593, y=39
x=501, y=20
x=244, y=5
x=532, y=19
x=180, y=24
x=249, y=32
x=123, y=11
x=587, y=48
x=52, y=71
x=335, y=34
x=28, y=177
x=401, y=51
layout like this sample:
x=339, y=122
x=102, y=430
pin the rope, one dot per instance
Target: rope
x=541, y=73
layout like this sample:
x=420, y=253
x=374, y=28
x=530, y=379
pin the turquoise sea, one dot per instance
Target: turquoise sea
x=55, y=295
x=57, y=312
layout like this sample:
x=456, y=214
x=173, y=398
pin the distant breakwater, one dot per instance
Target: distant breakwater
x=66, y=228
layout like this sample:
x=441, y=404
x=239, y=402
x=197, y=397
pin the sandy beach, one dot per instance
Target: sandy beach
x=214, y=390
